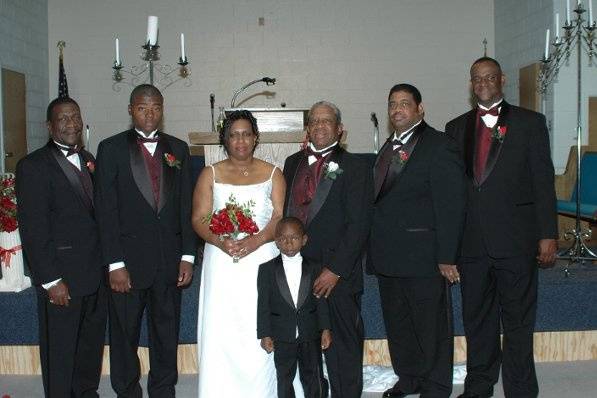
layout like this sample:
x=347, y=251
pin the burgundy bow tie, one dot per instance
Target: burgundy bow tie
x=145, y=140
x=317, y=155
x=493, y=111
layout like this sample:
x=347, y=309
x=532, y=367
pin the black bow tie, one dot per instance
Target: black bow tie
x=70, y=150
x=493, y=111
x=146, y=140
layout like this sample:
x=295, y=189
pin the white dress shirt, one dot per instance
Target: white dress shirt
x=151, y=147
x=293, y=269
x=404, y=137
x=491, y=120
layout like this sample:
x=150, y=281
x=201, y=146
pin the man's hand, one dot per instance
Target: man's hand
x=58, y=294
x=326, y=339
x=185, y=273
x=267, y=344
x=547, y=251
x=324, y=283
x=450, y=272
x=120, y=281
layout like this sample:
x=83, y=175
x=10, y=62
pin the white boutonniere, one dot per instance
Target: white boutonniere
x=332, y=170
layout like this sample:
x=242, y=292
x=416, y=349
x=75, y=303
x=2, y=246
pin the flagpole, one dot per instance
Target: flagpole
x=62, y=83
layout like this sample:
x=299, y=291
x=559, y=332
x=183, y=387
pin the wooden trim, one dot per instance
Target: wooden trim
x=549, y=347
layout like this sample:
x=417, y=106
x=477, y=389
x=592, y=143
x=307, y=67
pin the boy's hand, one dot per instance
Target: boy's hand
x=326, y=339
x=267, y=344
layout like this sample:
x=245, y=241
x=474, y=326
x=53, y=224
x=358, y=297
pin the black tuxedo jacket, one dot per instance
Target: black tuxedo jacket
x=58, y=229
x=147, y=238
x=339, y=215
x=419, y=212
x=277, y=315
x=514, y=205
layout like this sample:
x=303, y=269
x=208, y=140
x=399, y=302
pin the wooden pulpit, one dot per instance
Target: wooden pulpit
x=281, y=132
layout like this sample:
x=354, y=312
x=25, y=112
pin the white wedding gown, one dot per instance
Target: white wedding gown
x=231, y=361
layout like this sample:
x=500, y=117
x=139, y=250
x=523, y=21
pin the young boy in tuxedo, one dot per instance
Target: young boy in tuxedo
x=291, y=321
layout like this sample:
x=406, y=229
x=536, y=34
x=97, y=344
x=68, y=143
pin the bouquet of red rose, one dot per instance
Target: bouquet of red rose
x=232, y=220
x=8, y=204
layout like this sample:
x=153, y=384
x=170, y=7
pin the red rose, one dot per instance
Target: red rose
x=7, y=204
x=90, y=166
x=502, y=130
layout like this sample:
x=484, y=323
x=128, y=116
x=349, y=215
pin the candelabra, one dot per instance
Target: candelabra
x=581, y=36
x=147, y=72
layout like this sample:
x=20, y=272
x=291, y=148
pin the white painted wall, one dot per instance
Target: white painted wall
x=347, y=51
x=24, y=49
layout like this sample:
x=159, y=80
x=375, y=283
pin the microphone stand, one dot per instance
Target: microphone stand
x=267, y=80
x=375, y=132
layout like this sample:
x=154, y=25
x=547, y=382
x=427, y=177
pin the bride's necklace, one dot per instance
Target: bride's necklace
x=244, y=171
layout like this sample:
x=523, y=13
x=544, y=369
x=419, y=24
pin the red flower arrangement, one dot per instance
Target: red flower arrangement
x=8, y=205
x=232, y=220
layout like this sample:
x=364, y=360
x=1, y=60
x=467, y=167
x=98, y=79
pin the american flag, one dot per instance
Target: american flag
x=62, y=83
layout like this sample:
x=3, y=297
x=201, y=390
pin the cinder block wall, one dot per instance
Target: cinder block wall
x=347, y=51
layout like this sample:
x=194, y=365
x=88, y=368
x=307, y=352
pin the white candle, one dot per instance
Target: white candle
x=182, y=53
x=557, y=27
x=87, y=134
x=117, y=52
x=547, y=44
x=590, y=22
x=567, y=12
x=152, y=30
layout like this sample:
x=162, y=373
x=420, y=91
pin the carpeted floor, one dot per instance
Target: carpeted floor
x=556, y=379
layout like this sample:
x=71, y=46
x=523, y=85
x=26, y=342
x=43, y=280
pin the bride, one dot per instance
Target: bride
x=231, y=361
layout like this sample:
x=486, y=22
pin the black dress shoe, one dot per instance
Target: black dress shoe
x=396, y=393
x=474, y=395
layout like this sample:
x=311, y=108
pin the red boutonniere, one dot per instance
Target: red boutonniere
x=498, y=133
x=171, y=160
x=90, y=166
x=402, y=157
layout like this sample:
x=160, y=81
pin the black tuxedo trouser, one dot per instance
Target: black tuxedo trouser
x=418, y=322
x=126, y=312
x=71, y=344
x=344, y=357
x=490, y=287
x=308, y=356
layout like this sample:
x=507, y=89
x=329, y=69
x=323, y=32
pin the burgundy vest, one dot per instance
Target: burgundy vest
x=304, y=187
x=153, y=164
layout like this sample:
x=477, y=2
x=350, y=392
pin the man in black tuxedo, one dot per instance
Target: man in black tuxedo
x=510, y=228
x=329, y=190
x=413, y=245
x=143, y=198
x=54, y=187
x=291, y=321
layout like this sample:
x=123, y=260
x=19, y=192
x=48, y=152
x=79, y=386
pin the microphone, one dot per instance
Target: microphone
x=374, y=119
x=212, y=100
x=269, y=80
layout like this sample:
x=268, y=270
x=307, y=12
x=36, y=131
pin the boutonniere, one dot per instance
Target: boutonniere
x=332, y=170
x=498, y=133
x=401, y=157
x=171, y=160
x=90, y=166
